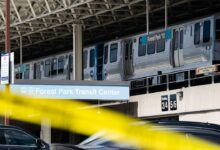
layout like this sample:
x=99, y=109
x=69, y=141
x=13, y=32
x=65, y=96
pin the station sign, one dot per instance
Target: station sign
x=82, y=92
x=5, y=68
x=206, y=69
x=168, y=102
x=12, y=68
x=164, y=103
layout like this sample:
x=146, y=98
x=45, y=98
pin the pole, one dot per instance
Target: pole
x=21, y=58
x=7, y=35
x=77, y=52
x=7, y=45
x=147, y=16
x=166, y=22
x=21, y=50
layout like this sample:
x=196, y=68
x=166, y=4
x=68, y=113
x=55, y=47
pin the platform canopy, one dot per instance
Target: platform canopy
x=42, y=23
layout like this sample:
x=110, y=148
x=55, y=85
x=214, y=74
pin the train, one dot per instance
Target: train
x=180, y=47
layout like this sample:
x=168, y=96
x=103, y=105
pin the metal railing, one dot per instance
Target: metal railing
x=186, y=78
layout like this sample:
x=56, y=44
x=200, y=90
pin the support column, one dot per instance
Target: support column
x=7, y=47
x=21, y=58
x=45, y=132
x=21, y=50
x=147, y=17
x=166, y=14
x=77, y=52
x=7, y=30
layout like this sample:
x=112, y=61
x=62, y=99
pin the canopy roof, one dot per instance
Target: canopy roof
x=47, y=24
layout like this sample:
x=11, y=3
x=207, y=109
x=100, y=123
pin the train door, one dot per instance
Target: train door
x=27, y=71
x=92, y=68
x=70, y=67
x=177, y=47
x=127, y=52
x=19, y=71
x=99, y=61
x=37, y=71
x=105, y=60
x=85, y=65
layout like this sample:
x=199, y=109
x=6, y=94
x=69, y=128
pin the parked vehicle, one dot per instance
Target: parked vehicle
x=14, y=138
x=205, y=131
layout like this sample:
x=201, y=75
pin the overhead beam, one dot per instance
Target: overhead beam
x=64, y=3
x=48, y=6
x=86, y=17
x=16, y=11
x=2, y=14
x=82, y=18
x=48, y=14
x=32, y=10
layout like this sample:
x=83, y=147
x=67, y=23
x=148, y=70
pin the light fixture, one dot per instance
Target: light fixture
x=180, y=94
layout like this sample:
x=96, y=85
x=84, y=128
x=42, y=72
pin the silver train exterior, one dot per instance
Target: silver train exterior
x=181, y=47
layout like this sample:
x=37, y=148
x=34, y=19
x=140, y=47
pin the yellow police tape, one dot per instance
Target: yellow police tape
x=73, y=116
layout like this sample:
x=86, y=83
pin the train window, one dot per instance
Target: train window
x=151, y=47
x=160, y=45
x=217, y=29
x=197, y=33
x=85, y=59
x=191, y=30
x=18, y=75
x=35, y=71
x=47, y=68
x=206, y=31
x=131, y=50
x=38, y=71
x=142, y=46
x=61, y=64
x=106, y=55
x=126, y=51
x=113, y=52
x=54, y=66
x=92, y=58
x=181, y=39
x=27, y=71
x=175, y=40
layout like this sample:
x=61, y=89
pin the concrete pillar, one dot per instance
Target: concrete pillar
x=77, y=52
x=45, y=132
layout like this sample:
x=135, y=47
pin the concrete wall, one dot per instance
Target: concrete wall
x=197, y=99
x=210, y=117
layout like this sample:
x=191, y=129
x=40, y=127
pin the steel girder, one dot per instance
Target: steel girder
x=38, y=21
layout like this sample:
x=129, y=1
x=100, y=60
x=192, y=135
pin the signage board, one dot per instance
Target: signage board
x=173, y=102
x=5, y=68
x=164, y=103
x=206, y=69
x=12, y=68
x=168, y=102
x=80, y=92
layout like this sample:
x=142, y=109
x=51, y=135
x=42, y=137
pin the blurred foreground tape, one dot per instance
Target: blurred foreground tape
x=72, y=115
